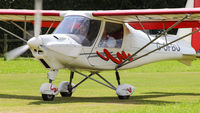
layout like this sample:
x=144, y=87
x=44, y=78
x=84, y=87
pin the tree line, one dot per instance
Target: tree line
x=79, y=5
x=93, y=4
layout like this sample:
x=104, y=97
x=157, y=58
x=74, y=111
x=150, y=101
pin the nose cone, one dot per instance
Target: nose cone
x=34, y=42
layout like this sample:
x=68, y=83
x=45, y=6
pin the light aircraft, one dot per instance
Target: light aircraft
x=98, y=41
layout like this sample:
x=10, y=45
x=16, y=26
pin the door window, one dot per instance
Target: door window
x=112, y=36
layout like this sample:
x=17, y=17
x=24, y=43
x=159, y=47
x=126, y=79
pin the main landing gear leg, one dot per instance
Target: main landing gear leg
x=48, y=90
x=123, y=90
x=118, y=77
x=66, y=88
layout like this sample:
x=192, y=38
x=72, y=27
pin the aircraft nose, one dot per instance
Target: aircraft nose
x=34, y=42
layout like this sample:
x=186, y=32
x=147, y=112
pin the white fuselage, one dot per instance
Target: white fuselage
x=58, y=51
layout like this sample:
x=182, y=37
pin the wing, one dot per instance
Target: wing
x=48, y=16
x=153, y=18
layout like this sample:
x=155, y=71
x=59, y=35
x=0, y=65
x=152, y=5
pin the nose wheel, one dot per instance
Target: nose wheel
x=48, y=91
x=48, y=97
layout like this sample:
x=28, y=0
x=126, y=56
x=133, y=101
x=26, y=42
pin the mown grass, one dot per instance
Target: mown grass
x=29, y=65
x=164, y=87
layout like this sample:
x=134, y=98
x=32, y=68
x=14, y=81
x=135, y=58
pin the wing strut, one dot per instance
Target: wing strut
x=50, y=27
x=143, y=28
x=21, y=28
x=12, y=34
x=170, y=28
x=165, y=33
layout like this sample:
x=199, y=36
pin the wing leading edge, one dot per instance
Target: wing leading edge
x=153, y=18
x=48, y=16
x=19, y=15
x=149, y=18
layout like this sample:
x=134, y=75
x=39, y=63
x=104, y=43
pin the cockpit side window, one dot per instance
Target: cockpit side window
x=83, y=30
x=112, y=36
x=93, y=31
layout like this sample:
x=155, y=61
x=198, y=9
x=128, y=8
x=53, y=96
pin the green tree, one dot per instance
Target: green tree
x=82, y=5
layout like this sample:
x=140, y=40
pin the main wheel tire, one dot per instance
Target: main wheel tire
x=123, y=97
x=47, y=97
x=66, y=94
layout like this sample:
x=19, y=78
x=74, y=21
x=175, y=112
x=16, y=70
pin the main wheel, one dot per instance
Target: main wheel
x=66, y=94
x=47, y=97
x=64, y=89
x=124, y=91
x=123, y=97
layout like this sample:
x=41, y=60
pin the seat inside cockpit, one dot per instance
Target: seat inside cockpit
x=112, y=36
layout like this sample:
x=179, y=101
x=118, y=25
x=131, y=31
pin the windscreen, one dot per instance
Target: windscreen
x=81, y=29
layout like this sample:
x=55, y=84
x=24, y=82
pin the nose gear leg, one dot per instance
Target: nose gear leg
x=67, y=88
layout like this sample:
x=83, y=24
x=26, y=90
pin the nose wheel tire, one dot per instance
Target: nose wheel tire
x=48, y=91
x=47, y=97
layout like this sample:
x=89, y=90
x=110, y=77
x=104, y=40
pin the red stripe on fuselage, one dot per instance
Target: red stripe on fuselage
x=121, y=56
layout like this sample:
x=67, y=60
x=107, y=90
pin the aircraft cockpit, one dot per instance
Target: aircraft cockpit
x=82, y=29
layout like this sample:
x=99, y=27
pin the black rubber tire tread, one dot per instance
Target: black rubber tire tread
x=123, y=97
x=65, y=94
x=47, y=97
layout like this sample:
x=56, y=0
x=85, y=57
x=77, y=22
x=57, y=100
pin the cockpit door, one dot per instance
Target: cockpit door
x=108, y=45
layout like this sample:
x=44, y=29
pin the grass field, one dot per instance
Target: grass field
x=164, y=87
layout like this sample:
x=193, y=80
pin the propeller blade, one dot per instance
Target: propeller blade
x=16, y=52
x=37, y=18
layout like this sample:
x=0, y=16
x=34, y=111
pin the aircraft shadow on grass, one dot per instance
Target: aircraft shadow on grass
x=138, y=99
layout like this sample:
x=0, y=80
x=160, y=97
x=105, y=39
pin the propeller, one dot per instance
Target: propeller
x=37, y=19
x=16, y=52
x=35, y=40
